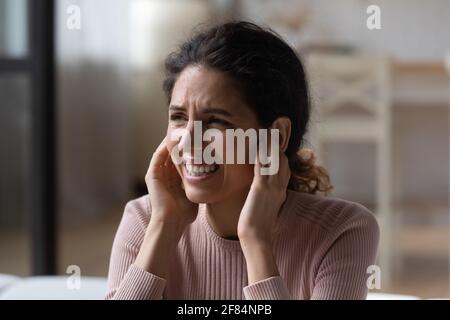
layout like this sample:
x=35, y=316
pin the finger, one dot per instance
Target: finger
x=257, y=167
x=174, y=175
x=284, y=164
x=160, y=155
x=285, y=171
x=168, y=162
x=172, y=164
x=158, y=159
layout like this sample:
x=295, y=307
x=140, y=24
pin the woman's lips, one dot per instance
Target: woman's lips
x=198, y=173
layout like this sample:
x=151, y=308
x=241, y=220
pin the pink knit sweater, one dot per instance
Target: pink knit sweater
x=323, y=246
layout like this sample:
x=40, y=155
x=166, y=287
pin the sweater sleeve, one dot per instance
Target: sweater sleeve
x=125, y=279
x=273, y=288
x=342, y=272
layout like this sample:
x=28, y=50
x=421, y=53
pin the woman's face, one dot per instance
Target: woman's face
x=203, y=94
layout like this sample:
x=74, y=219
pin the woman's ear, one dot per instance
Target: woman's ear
x=283, y=124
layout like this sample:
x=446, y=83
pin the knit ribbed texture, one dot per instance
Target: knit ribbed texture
x=323, y=247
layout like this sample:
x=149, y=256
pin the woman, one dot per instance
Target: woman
x=226, y=231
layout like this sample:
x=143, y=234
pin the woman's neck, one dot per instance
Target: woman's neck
x=223, y=216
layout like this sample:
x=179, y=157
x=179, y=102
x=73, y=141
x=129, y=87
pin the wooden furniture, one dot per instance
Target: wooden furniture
x=351, y=96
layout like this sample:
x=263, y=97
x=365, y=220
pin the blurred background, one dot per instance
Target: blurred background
x=82, y=109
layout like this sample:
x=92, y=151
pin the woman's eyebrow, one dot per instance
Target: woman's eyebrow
x=217, y=111
x=177, y=108
x=207, y=110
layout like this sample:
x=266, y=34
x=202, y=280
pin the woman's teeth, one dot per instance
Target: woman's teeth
x=200, y=170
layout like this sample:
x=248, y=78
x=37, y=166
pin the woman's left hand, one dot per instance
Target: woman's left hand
x=258, y=220
x=267, y=194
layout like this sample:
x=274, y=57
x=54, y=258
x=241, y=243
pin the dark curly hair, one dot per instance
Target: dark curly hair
x=271, y=79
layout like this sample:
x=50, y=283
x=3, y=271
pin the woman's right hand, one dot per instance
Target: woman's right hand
x=171, y=212
x=168, y=200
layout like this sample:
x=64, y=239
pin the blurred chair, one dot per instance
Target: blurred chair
x=352, y=103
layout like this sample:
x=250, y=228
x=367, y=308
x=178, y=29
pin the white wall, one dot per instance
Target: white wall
x=411, y=29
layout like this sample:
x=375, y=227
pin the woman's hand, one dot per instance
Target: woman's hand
x=267, y=194
x=258, y=220
x=168, y=199
x=171, y=213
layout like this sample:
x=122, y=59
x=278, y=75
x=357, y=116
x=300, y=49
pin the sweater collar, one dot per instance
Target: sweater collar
x=235, y=244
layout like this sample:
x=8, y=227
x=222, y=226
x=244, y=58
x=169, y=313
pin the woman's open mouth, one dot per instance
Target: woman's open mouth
x=197, y=172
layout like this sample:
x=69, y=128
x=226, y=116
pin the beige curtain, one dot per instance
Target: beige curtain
x=94, y=146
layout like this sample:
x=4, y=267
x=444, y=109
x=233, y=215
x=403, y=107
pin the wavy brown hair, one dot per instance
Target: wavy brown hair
x=270, y=77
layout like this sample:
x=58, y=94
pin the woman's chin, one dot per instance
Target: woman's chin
x=200, y=196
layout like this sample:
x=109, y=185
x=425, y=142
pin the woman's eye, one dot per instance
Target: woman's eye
x=177, y=117
x=219, y=122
